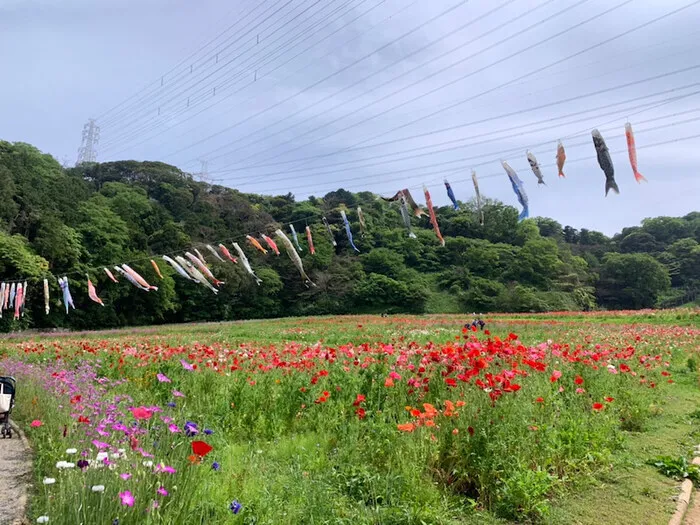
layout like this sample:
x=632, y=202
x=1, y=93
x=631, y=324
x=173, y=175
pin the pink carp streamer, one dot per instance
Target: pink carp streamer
x=433, y=218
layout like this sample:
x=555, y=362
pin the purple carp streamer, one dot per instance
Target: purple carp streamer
x=451, y=195
x=67, y=297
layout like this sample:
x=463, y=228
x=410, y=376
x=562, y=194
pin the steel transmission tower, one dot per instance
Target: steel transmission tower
x=91, y=136
x=203, y=175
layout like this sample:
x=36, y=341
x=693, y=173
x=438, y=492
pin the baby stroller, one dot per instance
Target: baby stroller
x=8, y=387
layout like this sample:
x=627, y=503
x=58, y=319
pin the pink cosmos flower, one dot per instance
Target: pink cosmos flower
x=173, y=428
x=125, y=476
x=177, y=393
x=36, y=423
x=186, y=365
x=163, y=378
x=100, y=444
x=162, y=491
x=165, y=468
x=127, y=498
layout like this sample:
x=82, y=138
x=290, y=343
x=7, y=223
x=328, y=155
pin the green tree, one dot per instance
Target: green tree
x=631, y=281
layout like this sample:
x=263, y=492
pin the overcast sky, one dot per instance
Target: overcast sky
x=306, y=96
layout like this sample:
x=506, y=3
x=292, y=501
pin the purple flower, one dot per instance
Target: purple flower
x=163, y=378
x=127, y=498
x=191, y=429
x=83, y=464
x=162, y=491
x=100, y=444
x=172, y=404
x=173, y=428
x=235, y=506
x=186, y=365
x=208, y=431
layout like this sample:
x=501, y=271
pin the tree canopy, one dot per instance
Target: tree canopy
x=75, y=221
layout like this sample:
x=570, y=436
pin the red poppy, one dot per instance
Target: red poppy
x=470, y=430
x=83, y=419
x=359, y=399
x=389, y=382
x=578, y=380
x=610, y=399
x=556, y=374
x=539, y=400
x=141, y=413
x=201, y=448
x=360, y=412
x=406, y=427
x=598, y=406
x=450, y=381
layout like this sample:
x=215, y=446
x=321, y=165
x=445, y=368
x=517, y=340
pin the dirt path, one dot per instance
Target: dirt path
x=15, y=473
x=692, y=515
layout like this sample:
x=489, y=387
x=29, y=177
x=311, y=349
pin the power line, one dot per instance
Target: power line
x=491, y=90
x=160, y=82
x=255, y=44
x=318, y=82
x=386, y=82
x=497, y=117
x=313, y=61
x=128, y=135
x=467, y=162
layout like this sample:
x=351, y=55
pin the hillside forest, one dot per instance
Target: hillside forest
x=57, y=221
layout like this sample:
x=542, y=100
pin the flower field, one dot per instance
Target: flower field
x=339, y=420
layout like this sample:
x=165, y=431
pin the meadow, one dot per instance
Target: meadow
x=361, y=419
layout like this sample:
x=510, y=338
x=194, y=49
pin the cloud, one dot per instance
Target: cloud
x=274, y=105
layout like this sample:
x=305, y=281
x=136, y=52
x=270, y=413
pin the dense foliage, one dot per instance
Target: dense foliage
x=56, y=221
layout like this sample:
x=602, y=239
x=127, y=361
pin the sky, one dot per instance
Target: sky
x=308, y=96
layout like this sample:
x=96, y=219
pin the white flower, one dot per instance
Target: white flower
x=64, y=464
x=49, y=481
x=71, y=451
x=148, y=463
x=42, y=519
x=121, y=450
x=116, y=455
x=98, y=488
x=101, y=456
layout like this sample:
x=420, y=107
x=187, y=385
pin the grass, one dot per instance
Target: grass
x=289, y=453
